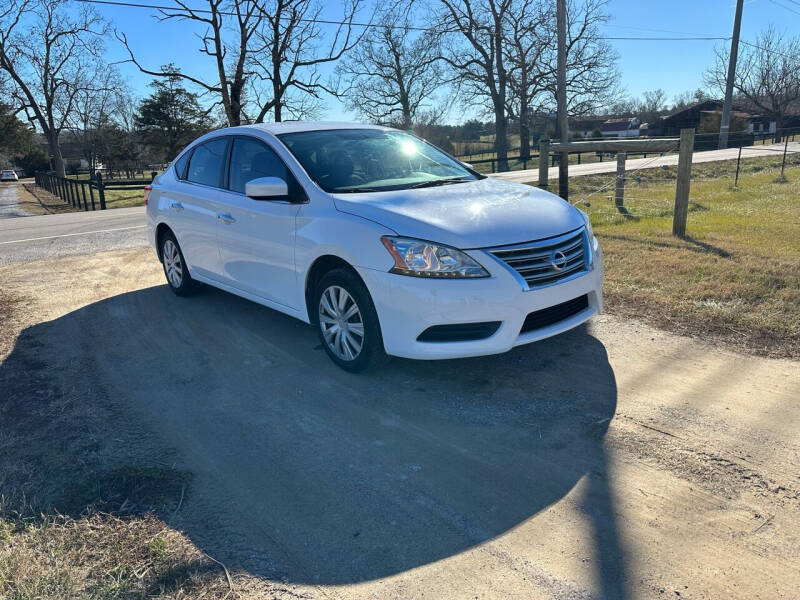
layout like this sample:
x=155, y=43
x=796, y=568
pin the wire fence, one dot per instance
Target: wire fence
x=487, y=161
x=649, y=190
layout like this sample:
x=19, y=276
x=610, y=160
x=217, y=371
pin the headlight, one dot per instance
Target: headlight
x=589, y=233
x=419, y=258
x=588, y=224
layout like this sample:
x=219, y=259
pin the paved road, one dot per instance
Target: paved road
x=51, y=236
x=530, y=175
x=8, y=201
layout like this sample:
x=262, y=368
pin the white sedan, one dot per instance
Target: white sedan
x=8, y=176
x=386, y=244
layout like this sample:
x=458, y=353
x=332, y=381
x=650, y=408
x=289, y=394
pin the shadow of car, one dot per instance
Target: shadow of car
x=309, y=474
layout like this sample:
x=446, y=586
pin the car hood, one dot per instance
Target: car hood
x=479, y=214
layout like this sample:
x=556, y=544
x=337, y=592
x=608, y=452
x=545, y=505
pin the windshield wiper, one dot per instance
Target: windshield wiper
x=351, y=190
x=437, y=182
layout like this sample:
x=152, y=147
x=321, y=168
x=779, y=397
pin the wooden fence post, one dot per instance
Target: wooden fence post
x=619, y=191
x=91, y=191
x=544, y=151
x=83, y=193
x=100, y=191
x=684, y=179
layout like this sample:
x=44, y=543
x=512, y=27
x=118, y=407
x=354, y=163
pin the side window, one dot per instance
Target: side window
x=251, y=159
x=180, y=166
x=207, y=161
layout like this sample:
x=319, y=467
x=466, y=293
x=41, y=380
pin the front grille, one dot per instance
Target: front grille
x=553, y=314
x=463, y=332
x=547, y=261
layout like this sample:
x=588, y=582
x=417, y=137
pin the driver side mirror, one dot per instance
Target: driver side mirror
x=468, y=165
x=267, y=188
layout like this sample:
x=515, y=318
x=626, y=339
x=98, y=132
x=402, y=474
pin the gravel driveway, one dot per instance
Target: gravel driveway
x=8, y=201
x=614, y=461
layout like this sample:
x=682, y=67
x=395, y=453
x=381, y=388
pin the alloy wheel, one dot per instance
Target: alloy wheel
x=172, y=264
x=341, y=323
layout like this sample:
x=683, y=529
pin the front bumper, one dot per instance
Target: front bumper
x=407, y=306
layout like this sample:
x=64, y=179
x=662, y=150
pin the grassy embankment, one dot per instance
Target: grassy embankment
x=735, y=278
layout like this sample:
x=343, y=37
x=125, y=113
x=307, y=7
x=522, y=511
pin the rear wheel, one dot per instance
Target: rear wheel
x=347, y=322
x=178, y=278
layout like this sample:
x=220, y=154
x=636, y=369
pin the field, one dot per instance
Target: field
x=735, y=278
x=120, y=198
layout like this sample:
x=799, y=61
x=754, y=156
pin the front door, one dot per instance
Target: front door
x=256, y=237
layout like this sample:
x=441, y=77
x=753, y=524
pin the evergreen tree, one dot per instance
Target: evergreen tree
x=170, y=117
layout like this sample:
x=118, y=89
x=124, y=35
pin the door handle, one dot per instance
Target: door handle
x=226, y=219
x=176, y=206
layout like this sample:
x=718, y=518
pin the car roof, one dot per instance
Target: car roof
x=297, y=126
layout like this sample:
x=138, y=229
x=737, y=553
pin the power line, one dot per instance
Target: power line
x=369, y=24
x=791, y=10
x=767, y=50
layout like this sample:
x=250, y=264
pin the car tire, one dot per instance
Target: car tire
x=359, y=343
x=175, y=270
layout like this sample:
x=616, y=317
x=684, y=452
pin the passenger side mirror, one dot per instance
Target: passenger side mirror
x=468, y=165
x=267, y=188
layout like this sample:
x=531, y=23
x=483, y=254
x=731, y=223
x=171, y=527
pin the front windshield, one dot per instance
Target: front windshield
x=372, y=160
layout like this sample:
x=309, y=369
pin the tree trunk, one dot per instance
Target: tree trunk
x=236, y=103
x=55, y=152
x=277, y=96
x=524, y=131
x=778, y=127
x=501, y=137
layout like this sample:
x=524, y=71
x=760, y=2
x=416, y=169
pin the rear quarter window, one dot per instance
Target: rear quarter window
x=180, y=165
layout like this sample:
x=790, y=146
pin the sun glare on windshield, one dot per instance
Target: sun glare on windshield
x=408, y=147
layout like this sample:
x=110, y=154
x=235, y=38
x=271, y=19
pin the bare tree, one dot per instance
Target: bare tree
x=592, y=75
x=393, y=74
x=257, y=42
x=531, y=41
x=767, y=74
x=688, y=98
x=95, y=113
x=230, y=56
x=476, y=55
x=48, y=56
x=290, y=51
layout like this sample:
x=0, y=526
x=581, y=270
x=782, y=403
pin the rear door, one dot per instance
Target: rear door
x=256, y=237
x=194, y=206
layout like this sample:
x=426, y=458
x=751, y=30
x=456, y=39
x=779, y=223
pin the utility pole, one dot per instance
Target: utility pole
x=724, y=125
x=561, y=97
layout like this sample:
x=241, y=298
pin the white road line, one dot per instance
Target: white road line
x=50, y=237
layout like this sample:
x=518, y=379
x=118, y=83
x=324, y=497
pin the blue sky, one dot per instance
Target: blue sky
x=645, y=65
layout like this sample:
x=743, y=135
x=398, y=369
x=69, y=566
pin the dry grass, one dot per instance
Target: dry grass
x=37, y=201
x=735, y=278
x=102, y=556
x=85, y=508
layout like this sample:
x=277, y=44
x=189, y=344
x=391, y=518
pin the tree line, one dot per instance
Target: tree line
x=265, y=60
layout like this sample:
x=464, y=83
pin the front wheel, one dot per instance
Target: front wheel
x=347, y=322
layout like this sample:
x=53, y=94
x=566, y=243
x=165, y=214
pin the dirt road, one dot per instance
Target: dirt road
x=616, y=461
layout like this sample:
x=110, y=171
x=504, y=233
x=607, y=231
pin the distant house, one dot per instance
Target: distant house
x=706, y=116
x=623, y=128
x=690, y=117
x=585, y=127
